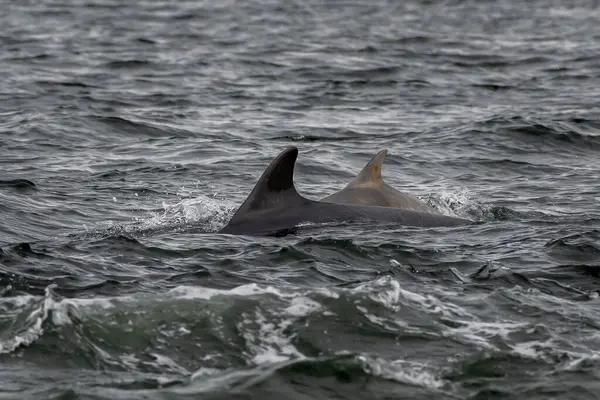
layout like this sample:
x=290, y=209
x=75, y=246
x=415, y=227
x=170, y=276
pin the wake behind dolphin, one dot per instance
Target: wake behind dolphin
x=369, y=188
x=274, y=206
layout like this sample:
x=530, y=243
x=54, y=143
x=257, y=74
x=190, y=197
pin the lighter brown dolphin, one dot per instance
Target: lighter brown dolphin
x=369, y=188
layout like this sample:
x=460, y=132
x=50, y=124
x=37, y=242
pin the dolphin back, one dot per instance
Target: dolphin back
x=274, y=206
x=369, y=188
x=274, y=191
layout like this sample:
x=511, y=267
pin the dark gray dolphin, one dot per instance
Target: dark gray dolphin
x=275, y=207
x=369, y=188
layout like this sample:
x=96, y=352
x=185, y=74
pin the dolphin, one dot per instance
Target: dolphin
x=369, y=188
x=274, y=207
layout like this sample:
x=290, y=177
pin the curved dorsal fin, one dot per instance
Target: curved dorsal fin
x=370, y=175
x=275, y=188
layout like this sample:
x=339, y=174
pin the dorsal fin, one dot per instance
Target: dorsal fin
x=370, y=175
x=275, y=188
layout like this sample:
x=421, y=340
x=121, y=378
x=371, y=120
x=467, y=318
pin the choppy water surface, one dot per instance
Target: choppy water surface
x=130, y=133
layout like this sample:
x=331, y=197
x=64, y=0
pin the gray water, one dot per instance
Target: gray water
x=131, y=132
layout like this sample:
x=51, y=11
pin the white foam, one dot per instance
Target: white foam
x=411, y=373
x=249, y=290
x=479, y=333
x=302, y=306
x=266, y=330
x=198, y=292
x=58, y=310
x=383, y=322
x=438, y=302
x=15, y=302
x=268, y=344
x=528, y=349
x=183, y=330
x=208, y=380
x=163, y=360
x=204, y=372
x=129, y=360
x=34, y=323
x=388, y=292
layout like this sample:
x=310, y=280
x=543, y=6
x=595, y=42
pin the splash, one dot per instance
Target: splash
x=31, y=328
x=455, y=203
x=207, y=213
x=203, y=210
